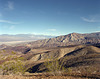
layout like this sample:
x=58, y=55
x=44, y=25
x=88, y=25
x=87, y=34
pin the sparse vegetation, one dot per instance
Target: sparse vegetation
x=13, y=52
x=13, y=67
x=4, y=50
x=59, y=61
x=54, y=66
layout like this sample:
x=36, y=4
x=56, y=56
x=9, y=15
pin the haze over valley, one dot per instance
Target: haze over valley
x=20, y=38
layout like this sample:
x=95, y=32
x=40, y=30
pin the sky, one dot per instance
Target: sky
x=49, y=17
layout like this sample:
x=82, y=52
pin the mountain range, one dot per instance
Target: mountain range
x=66, y=40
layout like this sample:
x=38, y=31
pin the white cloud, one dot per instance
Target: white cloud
x=10, y=5
x=92, y=18
x=51, y=29
x=7, y=21
x=88, y=20
x=9, y=27
x=96, y=31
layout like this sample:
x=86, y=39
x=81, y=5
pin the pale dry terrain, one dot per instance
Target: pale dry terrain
x=40, y=77
x=15, y=42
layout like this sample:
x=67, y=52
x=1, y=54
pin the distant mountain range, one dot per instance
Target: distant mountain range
x=70, y=39
x=6, y=38
x=52, y=41
x=22, y=37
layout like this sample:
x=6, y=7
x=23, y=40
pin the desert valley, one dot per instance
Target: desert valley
x=71, y=56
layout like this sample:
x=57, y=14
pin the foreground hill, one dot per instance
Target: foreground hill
x=79, y=58
x=66, y=40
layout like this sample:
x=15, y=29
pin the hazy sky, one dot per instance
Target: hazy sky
x=49, y=17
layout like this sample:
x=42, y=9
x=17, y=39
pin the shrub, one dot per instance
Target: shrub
x=54, y=66
x=13, y=52
x=13, y=67
x=4, y=51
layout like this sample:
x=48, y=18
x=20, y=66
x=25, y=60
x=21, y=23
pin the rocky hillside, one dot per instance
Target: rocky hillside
x=66, y=40
x=82, y=58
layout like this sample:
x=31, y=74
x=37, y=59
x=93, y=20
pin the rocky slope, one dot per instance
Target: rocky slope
x=82, y=58
x=66, y=40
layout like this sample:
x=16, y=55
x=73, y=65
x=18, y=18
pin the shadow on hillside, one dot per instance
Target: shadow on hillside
x=35, y=69
x=73, y=52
